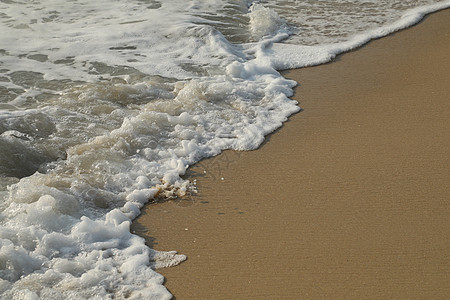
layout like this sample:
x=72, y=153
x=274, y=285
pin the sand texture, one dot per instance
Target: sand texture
x=348, y=200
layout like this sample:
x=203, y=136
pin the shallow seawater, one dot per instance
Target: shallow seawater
x=105, y=104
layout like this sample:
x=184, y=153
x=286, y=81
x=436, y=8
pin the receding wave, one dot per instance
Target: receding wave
x=104, y=105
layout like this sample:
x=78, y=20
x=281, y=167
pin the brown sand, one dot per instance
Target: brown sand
x=350, y=199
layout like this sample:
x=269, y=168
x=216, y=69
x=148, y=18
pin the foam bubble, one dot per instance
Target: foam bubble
x=265, y=22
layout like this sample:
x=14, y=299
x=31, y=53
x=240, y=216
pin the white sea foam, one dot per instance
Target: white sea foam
x=289, y=56
x=105, y=104
x=265, y=22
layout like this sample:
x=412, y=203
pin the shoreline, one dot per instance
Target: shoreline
x=347, y=200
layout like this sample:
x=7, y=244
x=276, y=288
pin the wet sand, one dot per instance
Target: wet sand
x=349, y=199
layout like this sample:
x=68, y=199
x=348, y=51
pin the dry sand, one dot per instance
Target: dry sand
x=350, y=199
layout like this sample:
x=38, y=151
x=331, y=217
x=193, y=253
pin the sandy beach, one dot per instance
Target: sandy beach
x=348, y=200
